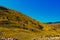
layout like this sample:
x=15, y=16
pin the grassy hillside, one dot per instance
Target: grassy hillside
x=17, y=25
x=56, y=25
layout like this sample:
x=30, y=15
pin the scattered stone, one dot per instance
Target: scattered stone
x=8, y=39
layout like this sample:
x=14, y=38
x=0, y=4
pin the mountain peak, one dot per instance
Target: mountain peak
x=3, y=8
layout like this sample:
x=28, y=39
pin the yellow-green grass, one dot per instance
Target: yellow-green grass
x=22, y=34
x=13, y=24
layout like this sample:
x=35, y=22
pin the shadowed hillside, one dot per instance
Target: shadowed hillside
x=17, y=25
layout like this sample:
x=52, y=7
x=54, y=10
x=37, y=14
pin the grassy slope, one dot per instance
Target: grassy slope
x=16, y=25
x=56, y=26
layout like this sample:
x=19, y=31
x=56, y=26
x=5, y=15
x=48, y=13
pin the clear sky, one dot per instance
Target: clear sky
x=41, y=10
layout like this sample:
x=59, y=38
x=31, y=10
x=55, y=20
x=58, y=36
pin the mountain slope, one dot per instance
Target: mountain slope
x=15, y=24
x=11, y=18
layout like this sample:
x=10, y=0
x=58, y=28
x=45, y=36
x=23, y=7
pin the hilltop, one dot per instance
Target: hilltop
x=15, y=24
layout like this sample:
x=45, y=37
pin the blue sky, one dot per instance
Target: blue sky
x=41, y=10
